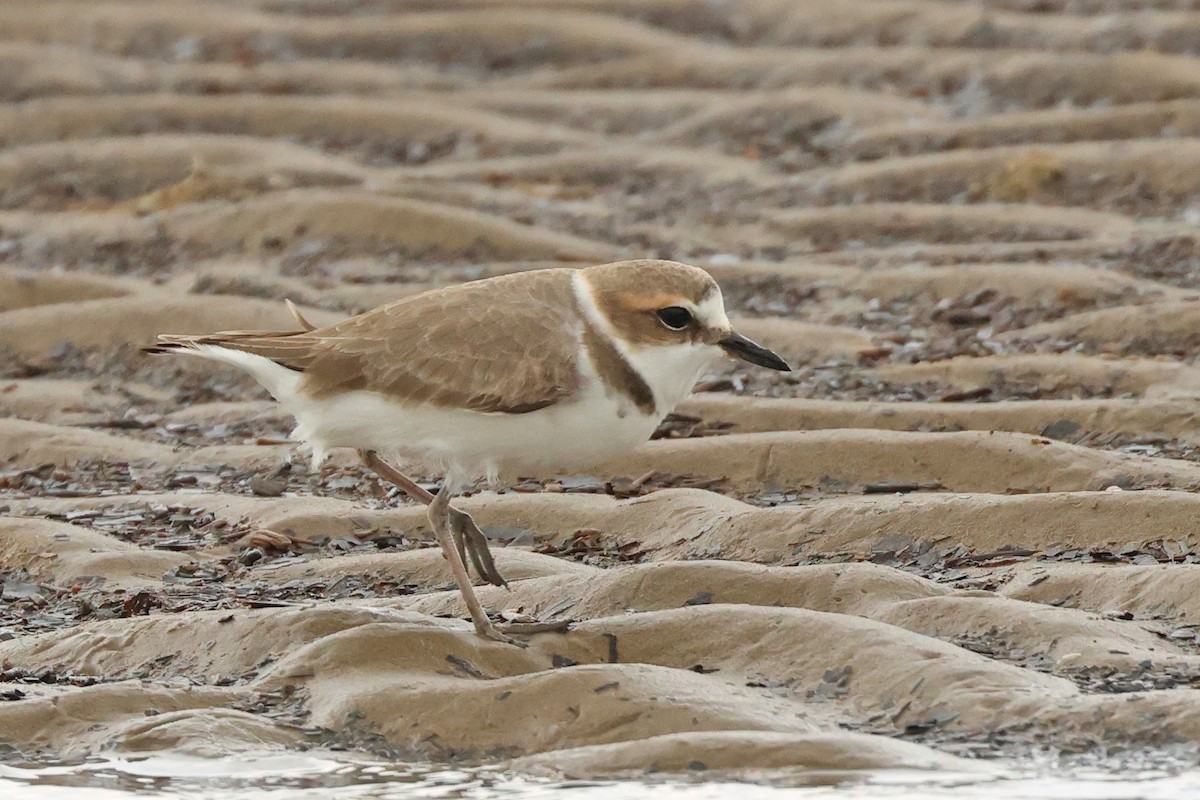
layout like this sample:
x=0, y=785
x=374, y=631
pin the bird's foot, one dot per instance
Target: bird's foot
x=473, y=544
x=489, y=631
x=530, y=628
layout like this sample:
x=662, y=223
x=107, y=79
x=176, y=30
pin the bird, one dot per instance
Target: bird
x=545, y=369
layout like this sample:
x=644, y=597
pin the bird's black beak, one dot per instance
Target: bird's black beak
x=739, y=346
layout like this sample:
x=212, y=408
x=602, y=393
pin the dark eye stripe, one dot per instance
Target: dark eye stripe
x=674, y=317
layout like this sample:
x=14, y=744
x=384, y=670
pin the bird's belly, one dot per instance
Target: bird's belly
x=565, y=436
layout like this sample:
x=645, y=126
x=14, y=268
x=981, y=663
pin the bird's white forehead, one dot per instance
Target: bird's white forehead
x=711, y=311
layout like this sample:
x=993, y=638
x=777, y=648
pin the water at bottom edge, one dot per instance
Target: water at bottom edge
x=315, y=776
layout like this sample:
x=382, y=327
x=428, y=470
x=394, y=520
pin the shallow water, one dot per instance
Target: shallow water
x=309, y=777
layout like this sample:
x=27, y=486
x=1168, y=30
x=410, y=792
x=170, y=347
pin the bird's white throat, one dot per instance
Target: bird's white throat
x=671, y=370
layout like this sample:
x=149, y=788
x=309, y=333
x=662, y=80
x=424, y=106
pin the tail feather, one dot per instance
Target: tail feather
x=278, y=378
x=274, y=358
x=291, y=349
x=304, y=323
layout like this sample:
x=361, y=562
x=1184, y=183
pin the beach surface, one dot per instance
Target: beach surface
x=963, y=529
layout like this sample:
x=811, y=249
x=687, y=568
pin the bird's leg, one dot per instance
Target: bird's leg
x=466, y=537
x=469, y=540
x=439, y=519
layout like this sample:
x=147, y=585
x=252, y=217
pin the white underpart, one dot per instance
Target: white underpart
x=596, y=425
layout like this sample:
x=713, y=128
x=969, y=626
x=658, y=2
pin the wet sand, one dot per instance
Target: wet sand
x=963, y=528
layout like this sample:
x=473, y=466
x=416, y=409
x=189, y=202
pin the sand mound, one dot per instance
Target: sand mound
x=738, y=753
x=336, y=122
x=830, y=228
x=368, y=219
x=1088, y=174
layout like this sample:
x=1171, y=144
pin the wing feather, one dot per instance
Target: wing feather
x=508, y=345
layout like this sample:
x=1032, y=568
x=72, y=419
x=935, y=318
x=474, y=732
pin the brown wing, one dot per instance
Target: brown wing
x=507, y=344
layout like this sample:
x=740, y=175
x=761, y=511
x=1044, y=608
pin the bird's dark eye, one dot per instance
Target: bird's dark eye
x=674, y=317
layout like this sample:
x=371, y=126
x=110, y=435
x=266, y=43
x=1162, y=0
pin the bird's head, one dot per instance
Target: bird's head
x=652, y=304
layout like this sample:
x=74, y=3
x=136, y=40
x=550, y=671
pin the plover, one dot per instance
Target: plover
x=553, y=369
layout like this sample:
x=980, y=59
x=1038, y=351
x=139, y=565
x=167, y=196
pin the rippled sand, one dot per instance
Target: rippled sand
x=966, y=526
